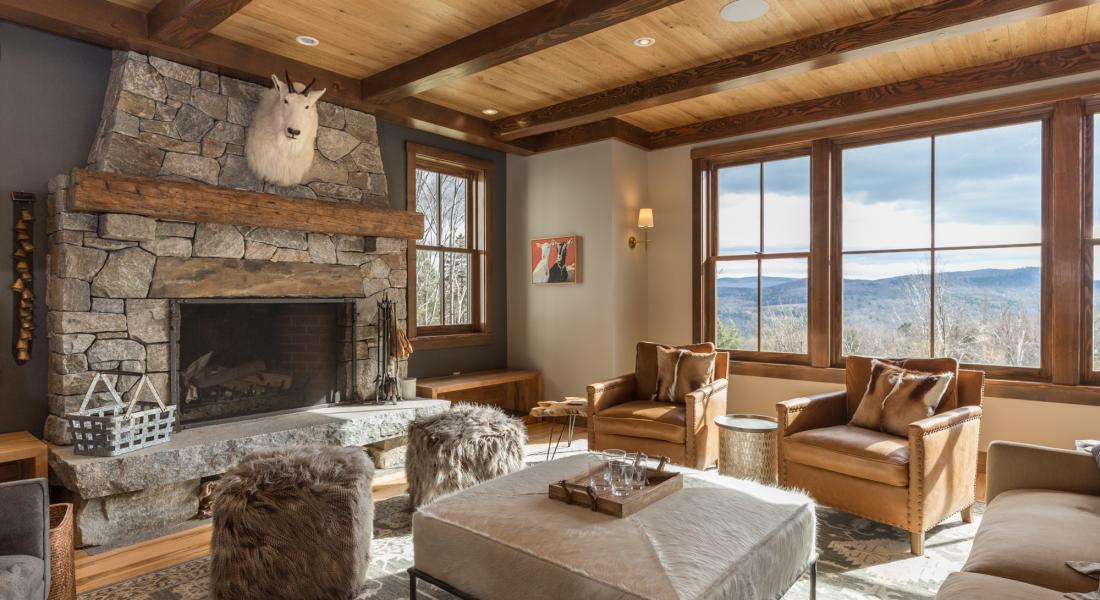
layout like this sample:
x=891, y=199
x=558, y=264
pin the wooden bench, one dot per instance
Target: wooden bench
x=510, y=389
x=22, y=456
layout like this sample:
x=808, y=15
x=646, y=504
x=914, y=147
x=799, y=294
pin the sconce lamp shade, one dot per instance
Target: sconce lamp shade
x=645, y=218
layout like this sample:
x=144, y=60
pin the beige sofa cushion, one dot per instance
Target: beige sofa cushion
x=975, y=586
x=1028, y=535
x=854, y=451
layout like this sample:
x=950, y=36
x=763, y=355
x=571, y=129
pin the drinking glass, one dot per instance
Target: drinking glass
x=622, y=476
x=610, y=455
x=640, y=461
x=597, y=472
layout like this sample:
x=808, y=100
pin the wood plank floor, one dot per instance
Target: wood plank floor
x=99, y=570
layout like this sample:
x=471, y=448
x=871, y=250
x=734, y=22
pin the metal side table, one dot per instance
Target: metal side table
x=746, y=447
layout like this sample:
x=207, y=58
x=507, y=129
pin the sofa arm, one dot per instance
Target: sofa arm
x=943, y=465
x=706, y=403
x=25, y=519
x=812, y=412
x=1015, y=466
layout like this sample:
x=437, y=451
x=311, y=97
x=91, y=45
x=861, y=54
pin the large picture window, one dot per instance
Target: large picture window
x=447, y=265
x=941, y=244
x=763, y=250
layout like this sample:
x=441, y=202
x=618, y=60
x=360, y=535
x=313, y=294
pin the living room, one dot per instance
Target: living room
x=642, y=298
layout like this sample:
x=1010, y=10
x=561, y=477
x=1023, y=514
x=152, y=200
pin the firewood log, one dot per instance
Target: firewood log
x=26, y=215
x=18, y=285
x=224, y=376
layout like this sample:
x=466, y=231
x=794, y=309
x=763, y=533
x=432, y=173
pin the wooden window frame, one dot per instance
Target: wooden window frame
x=478, y=175
x=1089, y=240
x=1064, y=374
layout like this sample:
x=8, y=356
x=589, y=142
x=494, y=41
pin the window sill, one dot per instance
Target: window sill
x=452, y=340
x=1086, y=395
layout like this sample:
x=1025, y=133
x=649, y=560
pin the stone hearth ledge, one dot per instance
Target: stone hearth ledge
x=213, y=449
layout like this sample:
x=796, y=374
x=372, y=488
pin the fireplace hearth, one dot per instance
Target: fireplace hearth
x=242, y=358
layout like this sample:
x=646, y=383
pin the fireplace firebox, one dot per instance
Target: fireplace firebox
x=236, y=359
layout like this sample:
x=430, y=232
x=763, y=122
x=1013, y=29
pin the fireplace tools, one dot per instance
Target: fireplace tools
x=387, y=389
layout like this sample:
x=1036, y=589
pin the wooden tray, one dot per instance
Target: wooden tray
x=577, y=491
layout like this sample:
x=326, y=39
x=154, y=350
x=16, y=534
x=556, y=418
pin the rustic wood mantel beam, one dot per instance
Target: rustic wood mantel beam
x=548, y=25
x=184, y=22
x=96, y=191
x=890, y=33
x=116, y=26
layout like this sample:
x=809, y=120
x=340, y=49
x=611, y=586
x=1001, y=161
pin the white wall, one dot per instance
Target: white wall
x=583, y=333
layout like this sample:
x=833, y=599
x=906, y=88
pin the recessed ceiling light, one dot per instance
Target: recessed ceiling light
x=489, y=112
x=645, y=42
x=307, y=40
x=744, y=10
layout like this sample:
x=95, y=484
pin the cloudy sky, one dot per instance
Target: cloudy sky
x=988, y=191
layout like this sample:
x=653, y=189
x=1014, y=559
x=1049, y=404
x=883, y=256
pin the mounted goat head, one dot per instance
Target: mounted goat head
x=279, y=145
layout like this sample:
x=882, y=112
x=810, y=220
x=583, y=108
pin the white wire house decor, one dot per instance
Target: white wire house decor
x=119, y=428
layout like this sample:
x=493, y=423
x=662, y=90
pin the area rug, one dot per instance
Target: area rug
x=859, y=559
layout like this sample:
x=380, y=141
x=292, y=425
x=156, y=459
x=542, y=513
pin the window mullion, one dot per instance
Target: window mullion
x=932, y=253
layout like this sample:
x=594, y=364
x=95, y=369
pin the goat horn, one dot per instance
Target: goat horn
x=289, y=85
x=306, y=90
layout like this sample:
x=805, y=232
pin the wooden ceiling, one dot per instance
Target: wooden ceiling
x=566, y=71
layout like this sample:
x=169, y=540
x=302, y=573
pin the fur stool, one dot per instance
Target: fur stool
x=293, y=523
x=460, y=448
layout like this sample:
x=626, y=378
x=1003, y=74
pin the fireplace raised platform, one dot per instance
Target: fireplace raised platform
x=158, y=487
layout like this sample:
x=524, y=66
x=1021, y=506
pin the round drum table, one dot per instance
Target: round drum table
x=746, y=447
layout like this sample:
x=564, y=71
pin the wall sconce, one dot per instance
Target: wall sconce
x=645, y=223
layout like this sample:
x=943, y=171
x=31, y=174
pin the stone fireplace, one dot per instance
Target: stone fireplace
x=237, y=322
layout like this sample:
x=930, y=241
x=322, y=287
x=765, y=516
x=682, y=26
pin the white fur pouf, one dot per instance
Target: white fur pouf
x=460, y=448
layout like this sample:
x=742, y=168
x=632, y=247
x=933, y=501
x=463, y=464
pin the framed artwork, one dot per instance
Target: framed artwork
x=555, y=259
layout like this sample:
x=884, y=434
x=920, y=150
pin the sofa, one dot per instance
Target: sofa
x=1043, y=510
x=913, y=482
x=623, y=414
x=24, y=540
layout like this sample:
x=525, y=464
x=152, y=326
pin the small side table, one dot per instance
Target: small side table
x=746, y=447
x=22, y=456
x=571, y=408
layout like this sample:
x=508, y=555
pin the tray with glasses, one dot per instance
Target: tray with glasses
x=618, y=484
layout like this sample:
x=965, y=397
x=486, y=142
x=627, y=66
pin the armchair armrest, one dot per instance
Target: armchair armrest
x=706, y=403
x=25, y=519
x=943, y=465
x=812, y=412
x=1015, y=466
x=604, y=395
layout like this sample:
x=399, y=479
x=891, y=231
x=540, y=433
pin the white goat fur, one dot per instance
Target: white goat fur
x=274, y=154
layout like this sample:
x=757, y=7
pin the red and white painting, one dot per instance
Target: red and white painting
x=555, y=260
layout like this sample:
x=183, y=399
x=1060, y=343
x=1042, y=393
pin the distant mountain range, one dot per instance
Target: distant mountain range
x=878, y=301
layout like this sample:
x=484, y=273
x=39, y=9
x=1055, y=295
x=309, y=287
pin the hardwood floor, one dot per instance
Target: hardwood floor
x=99, y=570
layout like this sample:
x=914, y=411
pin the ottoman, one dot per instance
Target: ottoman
x=293, y=523
x=718, y=537
x=460, y=448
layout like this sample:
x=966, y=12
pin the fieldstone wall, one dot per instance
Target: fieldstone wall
x=170, y=121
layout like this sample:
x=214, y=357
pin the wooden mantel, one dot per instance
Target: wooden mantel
x=97, y=191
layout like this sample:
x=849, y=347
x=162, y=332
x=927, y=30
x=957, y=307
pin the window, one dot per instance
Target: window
x=1094, y=251
x=447, y=290
x=762, y=257
x=942, y=246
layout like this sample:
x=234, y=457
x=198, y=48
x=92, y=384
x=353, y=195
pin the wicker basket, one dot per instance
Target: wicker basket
x=117, y=429
x=62, y=570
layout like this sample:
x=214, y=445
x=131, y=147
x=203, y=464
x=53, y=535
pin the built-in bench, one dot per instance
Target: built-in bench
x=511, y=389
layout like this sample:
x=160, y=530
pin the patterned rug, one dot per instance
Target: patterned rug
x=859, y=559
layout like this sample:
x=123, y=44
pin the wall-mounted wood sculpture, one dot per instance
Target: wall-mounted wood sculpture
x=23, y=286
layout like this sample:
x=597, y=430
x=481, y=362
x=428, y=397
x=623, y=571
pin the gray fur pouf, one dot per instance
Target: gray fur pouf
x=293, y=524
x=460, y=448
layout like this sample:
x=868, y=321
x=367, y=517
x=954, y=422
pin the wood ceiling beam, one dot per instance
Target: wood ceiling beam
x=587, y=133
x=546, y=26
x=183, y=22
x=890, y=33
x=115, y=26
x=1028, y=69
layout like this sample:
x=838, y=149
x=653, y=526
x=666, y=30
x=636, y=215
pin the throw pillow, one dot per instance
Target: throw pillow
x=645, y=366
x=668, y=363
x=884, y=378
x=915, y=397
x=696, y=369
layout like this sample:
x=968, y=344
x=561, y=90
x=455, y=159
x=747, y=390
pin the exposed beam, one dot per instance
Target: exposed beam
x=890, y=33
x=584, y=134
x=538, y=29
x=1015, y=71
x=116, y=26
x=184, y=22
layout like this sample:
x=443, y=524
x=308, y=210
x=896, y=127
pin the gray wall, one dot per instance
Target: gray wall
x=426, y=363
x=51, y=92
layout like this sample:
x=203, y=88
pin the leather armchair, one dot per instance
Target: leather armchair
x=622, y=415
x=913, y=483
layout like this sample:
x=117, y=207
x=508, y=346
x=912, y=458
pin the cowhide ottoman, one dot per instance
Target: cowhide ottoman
x=460, y=448
x=293, y=523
